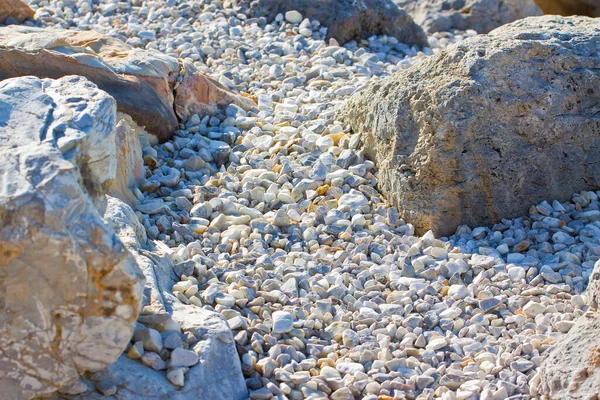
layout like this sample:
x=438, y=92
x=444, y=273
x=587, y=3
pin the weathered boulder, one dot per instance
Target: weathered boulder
x=16, y=10
x=149, y=86
x=218, y=373
x=489, y=126
x=479, y=15
x=346, y=20
x=571, y=369
x=591, y=8
x=69, y=290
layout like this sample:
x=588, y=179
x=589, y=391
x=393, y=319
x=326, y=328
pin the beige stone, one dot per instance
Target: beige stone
x=15, y=9
x=488, y=127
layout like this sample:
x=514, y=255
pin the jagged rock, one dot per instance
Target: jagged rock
x=346, y=20
x=57, y=160
x=148, y=86
x=217, y=375
x=570, y=369
x=130, y=163
x=486, y=128
x=16, y=10
x=591, y=8
x=479, y=15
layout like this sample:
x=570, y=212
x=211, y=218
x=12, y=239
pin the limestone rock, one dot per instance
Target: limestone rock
x=479, y=15
x=346, y=20
x=491, y=125
x=69, y=290
x=15, y=9
x=144, y=83
x=130, y=163
x=218, y=373
x=570, y=369
x=591, y=8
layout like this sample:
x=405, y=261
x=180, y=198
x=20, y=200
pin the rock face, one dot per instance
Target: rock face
x=148, y=86
x=16, y=10
x=346, y=20
x=590, y=8
x=570, y=370
x=130, y=165
x=218, y=373
x=479, y=15
x=481, y=131
x=69, y=290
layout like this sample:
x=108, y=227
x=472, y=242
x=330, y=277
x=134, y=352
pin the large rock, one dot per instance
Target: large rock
x=590, y=8
x=571, y=369
x=16, y=10
x=346, y=20
x=486, y=128
x=218, y=374
x=69, y=290
x=148, y=86
x=479, y=15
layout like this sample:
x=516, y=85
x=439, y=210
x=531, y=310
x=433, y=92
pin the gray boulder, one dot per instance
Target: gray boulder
x=346, y=20
x=479, y=15
x=570, y=369
x=489, y=126
x=70, y=292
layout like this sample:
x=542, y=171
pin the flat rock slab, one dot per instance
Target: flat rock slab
x=154, y=89
x=488, y=127
x=16, y=10
x=479, y=15
x=69, y=290
x=346, y=20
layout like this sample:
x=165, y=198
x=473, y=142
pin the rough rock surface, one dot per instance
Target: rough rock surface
x=148, y=86
x=130, y=164
x=345, y=19
x=570, y=370
x=481, y=131
x=57, y=160
x=16, y=10
x=590, y=8
x=479, y=15
x=218, y=374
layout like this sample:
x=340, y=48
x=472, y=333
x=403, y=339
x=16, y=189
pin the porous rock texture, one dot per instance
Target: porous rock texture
x=346, y=20
x=15, y=9
x=571, y=370
x=479, y=15
x=590, y=8
x=69, y=290
x=489, y=126
x=218, y=374
x=153, y=88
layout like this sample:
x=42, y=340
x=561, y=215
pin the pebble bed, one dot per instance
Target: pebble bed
x=274, y=220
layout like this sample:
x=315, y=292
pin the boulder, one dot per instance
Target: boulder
x=479, y=15
x=489, y=126
x=346, y=20
x=149, y=86
x=570, y=370
x=16, y=10
x=591, y=8
x=70, y=291
x=217, y=375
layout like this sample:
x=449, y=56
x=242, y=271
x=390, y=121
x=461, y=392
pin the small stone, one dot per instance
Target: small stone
x=183, y=358
x=176, y=376
x=293, y=17
x=282, y=322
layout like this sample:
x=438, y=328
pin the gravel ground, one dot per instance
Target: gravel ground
x=327, y=291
